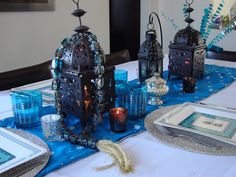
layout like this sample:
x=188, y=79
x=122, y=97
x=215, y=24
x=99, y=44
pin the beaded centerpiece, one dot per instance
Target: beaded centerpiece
x=83, y=82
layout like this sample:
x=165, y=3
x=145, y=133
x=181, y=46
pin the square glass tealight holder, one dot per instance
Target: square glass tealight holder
x=137, y=101
x=134, y=99
x=26, y=106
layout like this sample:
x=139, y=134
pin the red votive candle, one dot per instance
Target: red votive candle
x=118, y=118
x=188, y=84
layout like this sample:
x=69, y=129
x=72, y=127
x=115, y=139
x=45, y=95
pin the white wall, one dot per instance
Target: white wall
x=173, y=9
x=147, y=6
x=227, y=6
x=28, y=38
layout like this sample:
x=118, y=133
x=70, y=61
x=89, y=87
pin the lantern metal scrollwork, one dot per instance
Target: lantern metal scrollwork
x=83, y=82
x=150, y=54
x=187, y=52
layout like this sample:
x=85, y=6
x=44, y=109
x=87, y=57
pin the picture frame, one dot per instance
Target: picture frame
x=26, y=5
x=18, y=154
x=199, y=121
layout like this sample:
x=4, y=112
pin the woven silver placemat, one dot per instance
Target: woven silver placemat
x=181, y=142
x=36, y=168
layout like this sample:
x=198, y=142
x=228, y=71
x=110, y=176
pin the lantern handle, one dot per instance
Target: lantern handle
x=189, y=2
x=159, y=21
x=76, y=2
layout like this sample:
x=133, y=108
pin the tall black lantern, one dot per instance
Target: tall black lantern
x=84, y=83
x=187, y=52
x=151, y=52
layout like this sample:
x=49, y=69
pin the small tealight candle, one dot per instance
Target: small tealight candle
x=188, y=84
x=118, y=118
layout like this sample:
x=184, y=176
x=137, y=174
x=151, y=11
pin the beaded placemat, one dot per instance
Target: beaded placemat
x=182, y=142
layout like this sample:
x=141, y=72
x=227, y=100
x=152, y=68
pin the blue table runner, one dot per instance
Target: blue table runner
x=63, y=153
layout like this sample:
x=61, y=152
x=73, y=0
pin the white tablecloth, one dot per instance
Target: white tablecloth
x=150, y=157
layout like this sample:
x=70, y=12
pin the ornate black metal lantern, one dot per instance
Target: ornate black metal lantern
x=151, y=52
x=84, y=83
x=187, y=52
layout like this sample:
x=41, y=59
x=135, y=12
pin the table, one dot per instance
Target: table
x=150, y=157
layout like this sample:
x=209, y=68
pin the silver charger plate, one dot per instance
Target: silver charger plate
x=182, y=142
x=33, y=168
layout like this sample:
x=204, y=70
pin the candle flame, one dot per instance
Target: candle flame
x=117, y=111
x=186, y=62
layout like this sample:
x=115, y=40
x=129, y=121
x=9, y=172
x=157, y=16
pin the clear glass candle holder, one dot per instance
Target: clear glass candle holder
x=26, y=106
x=51, y=126
x=156, y=89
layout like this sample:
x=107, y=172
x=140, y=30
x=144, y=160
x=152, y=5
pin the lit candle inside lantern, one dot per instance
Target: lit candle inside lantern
x=118, y=117
x=117, y=112
x=187, y=62
x=86, y=90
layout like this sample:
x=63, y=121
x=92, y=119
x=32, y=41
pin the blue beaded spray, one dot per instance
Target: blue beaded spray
x=229, y=28
x=213, y=17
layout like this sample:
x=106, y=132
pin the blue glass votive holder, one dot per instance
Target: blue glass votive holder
x=51, y=126
x=137, y=101
x=121, y=77
x=26, y=106
x=122, y=97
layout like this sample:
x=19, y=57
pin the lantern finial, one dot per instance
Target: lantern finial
x=188, y=11
x=79, y=13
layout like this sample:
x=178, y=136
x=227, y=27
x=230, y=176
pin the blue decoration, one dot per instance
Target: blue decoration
x=5, y=156
x=64, y=153
x=185, y=6
x=205, y=20
x=229, y=28
x=169, y=20
x=217, y=13
x=227, y=133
